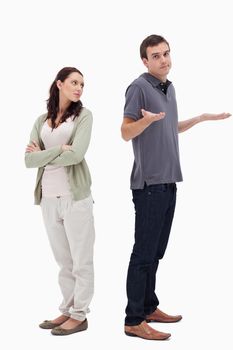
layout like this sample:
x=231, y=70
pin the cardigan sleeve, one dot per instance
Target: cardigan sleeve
x=43, y=157
x=79, y=145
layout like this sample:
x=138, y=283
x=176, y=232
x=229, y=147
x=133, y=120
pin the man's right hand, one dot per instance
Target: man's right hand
x=131, y=128
x=152, y=117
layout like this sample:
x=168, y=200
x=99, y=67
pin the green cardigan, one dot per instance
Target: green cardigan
x=73, y=160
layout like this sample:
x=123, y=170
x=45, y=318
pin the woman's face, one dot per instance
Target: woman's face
x=72, y=87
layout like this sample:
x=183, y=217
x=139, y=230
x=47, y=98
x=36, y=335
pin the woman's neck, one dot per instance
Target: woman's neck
x=63, y=105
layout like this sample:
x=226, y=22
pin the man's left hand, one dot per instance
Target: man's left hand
x=210, y=116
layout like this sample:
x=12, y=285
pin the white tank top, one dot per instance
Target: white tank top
x=55, y=180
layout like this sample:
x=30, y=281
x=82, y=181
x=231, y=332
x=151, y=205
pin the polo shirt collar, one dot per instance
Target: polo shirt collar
x=154, y=81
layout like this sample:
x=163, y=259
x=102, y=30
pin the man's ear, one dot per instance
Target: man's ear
x=59, y=84
x=145, y=62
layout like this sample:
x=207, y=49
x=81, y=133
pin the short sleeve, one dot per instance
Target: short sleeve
x=134, y=102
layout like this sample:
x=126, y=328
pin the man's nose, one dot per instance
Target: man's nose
x=162, y=58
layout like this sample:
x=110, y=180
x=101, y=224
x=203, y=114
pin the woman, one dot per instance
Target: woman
x=58, y=143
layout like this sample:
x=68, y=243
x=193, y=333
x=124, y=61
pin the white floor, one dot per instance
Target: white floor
x=193, y=280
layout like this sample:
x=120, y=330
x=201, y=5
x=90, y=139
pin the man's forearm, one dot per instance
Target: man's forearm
x=189, y=123
x=131, y=130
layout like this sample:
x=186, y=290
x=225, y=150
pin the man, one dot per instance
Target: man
x=151, y=122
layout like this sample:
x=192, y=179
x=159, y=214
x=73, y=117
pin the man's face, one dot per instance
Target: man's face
x=158, y=61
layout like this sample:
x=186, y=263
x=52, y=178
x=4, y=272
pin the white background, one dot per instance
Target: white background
x=102, y=38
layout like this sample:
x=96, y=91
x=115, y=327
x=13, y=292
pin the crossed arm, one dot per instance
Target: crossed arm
x=35, y=157
x=131, y=128
x=62, y=155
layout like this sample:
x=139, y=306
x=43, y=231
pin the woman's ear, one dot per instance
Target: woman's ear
x=59, y=84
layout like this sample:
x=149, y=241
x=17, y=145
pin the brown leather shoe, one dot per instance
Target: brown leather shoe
x=61, y=331
x=160, y=316
x=143, y=330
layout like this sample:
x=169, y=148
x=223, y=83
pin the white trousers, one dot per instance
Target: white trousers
x=70, y=228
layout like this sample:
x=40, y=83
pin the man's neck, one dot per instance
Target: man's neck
x=163, y=78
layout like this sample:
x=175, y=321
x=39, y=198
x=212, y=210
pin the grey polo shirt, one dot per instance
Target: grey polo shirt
x=156, y=149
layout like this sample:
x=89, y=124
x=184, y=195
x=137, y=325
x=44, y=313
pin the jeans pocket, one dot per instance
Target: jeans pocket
x=157, y=188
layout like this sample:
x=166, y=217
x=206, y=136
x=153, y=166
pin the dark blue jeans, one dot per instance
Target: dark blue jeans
x=154, y=210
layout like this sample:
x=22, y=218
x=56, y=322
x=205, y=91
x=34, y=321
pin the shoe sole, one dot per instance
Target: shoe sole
x=154, y=321
x=68, y=333
x=134, y=335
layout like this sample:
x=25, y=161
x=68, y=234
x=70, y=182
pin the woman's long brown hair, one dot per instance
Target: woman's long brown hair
x=74, y=108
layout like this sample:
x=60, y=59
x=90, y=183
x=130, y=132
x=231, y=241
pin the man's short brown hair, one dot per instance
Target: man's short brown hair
x=152, y=40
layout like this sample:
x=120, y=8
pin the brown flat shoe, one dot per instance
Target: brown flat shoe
x=143, y=330
x=49, y=324
x=160, y=316
x=61, y=331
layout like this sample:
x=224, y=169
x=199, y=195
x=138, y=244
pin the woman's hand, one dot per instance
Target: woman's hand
x=66, y=147
x=33, y=147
